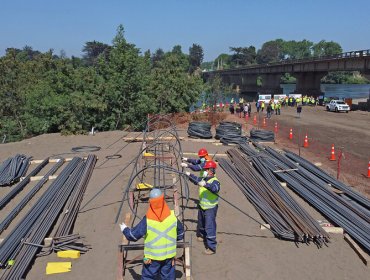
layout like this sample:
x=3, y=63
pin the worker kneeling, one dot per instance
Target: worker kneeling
x=160, y=229
x=209, y=187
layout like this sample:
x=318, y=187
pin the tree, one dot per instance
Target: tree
x=93, y=50
x=324, y=48
x=223, y=61
x=297, y=49
x=157, y=57
x=271, y=51
x=195, y=57
x=243, y=56
x=173, y=88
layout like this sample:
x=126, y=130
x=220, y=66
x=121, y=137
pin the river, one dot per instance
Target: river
x=337, y=90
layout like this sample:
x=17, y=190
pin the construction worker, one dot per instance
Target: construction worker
x=209, y=187
x=160, y=229
x=197, y=164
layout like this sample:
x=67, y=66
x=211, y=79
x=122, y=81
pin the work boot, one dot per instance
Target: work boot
x=200, y=239
x=208, y=252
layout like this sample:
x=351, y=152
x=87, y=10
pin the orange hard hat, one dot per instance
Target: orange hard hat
x=202, y=152
x=210, y=164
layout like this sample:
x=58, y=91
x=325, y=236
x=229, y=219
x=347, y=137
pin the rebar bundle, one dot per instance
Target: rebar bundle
x=12, y=169
x=23, y=243
x=285, y=216
x=311, y=187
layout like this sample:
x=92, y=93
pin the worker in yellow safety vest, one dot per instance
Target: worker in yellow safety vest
x=209, y=187
x=160, y=229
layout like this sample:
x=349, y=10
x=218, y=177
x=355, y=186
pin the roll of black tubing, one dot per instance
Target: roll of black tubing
x=200, y=130
x=81, y=149
x=116, y=156
x=262, y=135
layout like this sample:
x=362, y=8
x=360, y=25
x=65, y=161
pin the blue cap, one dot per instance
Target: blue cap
x=154, y=193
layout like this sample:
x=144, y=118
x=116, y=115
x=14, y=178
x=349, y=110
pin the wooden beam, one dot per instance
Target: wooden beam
x=124, y=241
x=38, y=178
x=141, y=139
x=187, y=263
x=336, y=230
x=211, y=155
x=363, y=255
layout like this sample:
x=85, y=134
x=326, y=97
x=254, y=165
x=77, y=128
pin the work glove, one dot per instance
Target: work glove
x=183, y=164
x=202, y=183
x=184, y=159
x=122, y=226
x=187, y=173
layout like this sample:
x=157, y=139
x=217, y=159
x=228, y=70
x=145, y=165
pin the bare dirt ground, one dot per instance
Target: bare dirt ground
x=245, y=251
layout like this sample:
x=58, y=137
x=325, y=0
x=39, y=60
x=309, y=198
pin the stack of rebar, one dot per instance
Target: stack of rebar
x=12, y=169
x=4, y=223
x=285, y=216
x=22, y=244
x=20, y=186
x=311, y=187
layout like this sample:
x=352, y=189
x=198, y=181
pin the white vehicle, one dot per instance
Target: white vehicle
x=264, y=98
x=278, y=97
x=337, y=106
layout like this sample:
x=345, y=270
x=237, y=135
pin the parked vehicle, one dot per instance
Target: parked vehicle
x=337, y=106
x=264, y=98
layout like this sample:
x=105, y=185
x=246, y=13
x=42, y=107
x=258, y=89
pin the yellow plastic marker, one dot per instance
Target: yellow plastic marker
x=11, y=262
x=142, y=186
x=148, y=155
x=58, y=267
x=72, y=254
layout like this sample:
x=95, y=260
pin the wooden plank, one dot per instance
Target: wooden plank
x=187, y=263
x=363, y=255
x=200, y=140
x=52, y=160
x=336, y=230
x=38, y=178
x=124, y=241
x=141, y=139
x=211, y=155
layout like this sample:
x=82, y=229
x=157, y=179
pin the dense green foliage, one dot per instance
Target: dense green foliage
x=109, y=88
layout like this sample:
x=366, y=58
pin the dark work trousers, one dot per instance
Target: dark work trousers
x=206, y=226
x=164, y=268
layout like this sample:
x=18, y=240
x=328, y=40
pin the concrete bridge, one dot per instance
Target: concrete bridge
x=308, y=73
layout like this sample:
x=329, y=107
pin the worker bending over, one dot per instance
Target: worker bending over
x=209, y=187
x=160, y=229
x=197, y=164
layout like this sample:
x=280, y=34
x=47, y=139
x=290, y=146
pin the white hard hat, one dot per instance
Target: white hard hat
x=154, y=193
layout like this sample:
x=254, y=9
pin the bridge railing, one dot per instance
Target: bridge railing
x=351, y=54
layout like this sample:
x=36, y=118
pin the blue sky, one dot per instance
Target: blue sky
x=215, y=25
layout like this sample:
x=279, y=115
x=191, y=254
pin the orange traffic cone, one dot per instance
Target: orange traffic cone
x=368, y=170
x=264, y=122
x=291, y=134
x=305, y=143
x=332, y=156
x=255, y=119
x=276, y=127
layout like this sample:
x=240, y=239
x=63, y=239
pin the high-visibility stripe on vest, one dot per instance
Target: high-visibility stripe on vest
x=207, y=199
x=160, y=238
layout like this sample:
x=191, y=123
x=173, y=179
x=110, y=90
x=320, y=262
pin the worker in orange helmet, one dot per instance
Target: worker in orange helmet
x=209, y=187
x=197, y=164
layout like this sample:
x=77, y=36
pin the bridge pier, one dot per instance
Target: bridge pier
x=271, y=84
x=308, y=83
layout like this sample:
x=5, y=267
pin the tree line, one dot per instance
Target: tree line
x=110, y=87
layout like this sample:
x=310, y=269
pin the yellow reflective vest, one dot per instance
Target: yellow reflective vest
x=160, y=238
x=207, y=199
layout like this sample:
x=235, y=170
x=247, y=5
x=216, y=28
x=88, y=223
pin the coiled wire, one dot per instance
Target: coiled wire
x=200, y=130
